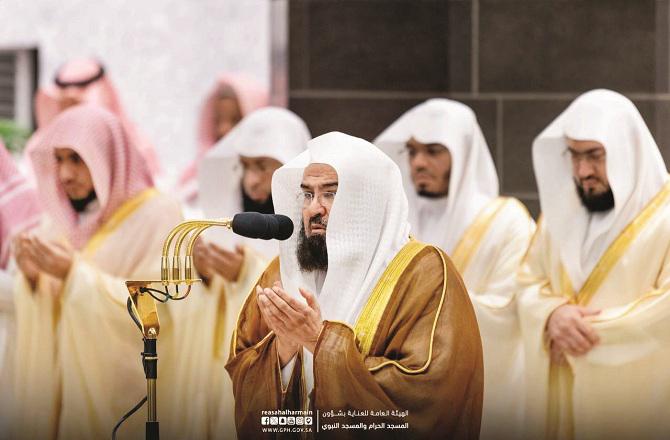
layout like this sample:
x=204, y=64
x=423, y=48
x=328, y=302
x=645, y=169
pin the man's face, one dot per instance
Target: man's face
x=257, y=176
x=73, y=174
x=226, y=115
x=589, y=160
x=319, y=186
x=589, y=170
x=430, y=166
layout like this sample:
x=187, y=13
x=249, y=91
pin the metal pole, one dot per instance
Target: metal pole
x=151, y=366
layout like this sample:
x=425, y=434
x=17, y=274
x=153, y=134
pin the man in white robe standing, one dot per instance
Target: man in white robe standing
x=595, y=310
x=452, y=187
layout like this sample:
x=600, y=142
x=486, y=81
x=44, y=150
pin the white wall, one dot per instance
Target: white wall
x=162, y=55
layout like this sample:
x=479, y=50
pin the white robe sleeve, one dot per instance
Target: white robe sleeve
x=35, y=376
x=624, y=369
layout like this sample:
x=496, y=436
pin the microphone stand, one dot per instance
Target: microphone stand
x=142, y=307
x=142, y=301
x=150, y=358
x=145, y=315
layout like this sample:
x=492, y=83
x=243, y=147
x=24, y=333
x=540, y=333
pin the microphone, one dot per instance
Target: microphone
x=263, y=226
x=247, y=224
x=141, y=304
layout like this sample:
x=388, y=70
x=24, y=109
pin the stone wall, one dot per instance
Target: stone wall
x=356, y=65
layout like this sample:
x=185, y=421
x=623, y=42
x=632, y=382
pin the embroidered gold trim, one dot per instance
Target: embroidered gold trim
x=632, y=306
x=370, y=316
x=119, y=216
x=474, y=234
x=425, y=366
x=618, y=247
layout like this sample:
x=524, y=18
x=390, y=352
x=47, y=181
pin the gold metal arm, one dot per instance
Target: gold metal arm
x=176, y=270
x=191, y=229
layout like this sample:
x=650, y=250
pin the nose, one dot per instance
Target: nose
x=316, y=207
x=252, y=178
x=419, y=160
x=66, y=172
x=583, y=168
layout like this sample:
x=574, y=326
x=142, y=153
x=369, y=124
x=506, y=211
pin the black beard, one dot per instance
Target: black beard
x=79, y=205
x=312, y=251
x=436, y=195
x=596, y=202
x=250, y=205
x=431, y=195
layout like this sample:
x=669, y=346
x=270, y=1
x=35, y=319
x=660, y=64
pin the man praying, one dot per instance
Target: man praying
x=355, y=315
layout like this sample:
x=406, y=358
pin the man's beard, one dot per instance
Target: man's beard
x=596, y=202
x=80, y=205
x=312, y=251
x=431, y=195
x=422, y=192
x=250, y=205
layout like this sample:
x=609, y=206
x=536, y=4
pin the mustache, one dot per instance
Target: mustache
x=423, y=171
x=318, y=219
x=589, y=178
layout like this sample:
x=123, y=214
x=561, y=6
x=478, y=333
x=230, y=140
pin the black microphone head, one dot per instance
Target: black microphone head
x=285, y=227
x=263, y=226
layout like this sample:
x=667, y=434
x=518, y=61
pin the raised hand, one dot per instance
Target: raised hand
x=51, y=257
x=226, y=263
x=24, y=259
x=201, y=261
x=299, y=321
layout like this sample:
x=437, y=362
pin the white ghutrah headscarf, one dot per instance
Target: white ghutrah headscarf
x=367, y=224
x=473, y=182
x=269, y=132
x=635, y=170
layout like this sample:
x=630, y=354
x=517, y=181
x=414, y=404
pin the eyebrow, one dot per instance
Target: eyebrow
x=67, y=155
x=323, y=185
x=590, y=150
x=431, y=145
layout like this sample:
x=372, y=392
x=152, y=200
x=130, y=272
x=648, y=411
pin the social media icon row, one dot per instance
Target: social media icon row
x=288, y=420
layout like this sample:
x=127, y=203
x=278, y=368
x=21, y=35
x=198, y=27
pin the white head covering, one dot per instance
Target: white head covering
x=473, y=182
x=367, y=225
x=635, y=170
x=269, y=132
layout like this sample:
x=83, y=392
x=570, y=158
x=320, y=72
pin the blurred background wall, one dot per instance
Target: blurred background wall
x=162, y=55
x=356, y=65
x=351, y=65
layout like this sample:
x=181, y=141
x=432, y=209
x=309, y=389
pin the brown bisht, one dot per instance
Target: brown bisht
x=423, y=358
